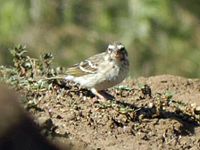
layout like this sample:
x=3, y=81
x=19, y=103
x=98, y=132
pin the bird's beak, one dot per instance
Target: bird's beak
x=119, y=56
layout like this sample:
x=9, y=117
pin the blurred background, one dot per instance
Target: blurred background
x=162, y=36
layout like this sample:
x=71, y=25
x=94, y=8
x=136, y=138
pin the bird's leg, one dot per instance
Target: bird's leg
x=95, y=92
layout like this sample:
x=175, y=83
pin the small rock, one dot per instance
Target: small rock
x=150, y=105
x=43, y=120
x=197, y=110
x=70, y=116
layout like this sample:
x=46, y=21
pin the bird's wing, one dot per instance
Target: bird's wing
x=88, y=66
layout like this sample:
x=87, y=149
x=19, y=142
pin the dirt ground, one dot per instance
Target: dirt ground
x=160, y=112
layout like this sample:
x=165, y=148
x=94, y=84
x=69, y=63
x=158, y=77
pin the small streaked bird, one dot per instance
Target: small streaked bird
x=101, y=71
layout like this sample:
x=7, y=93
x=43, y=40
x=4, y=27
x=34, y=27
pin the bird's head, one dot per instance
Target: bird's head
x=117, y=51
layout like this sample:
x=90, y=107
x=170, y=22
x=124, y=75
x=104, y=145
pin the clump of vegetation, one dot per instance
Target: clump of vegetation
x=29, y=74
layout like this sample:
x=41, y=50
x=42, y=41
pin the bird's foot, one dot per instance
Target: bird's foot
x=102, y=95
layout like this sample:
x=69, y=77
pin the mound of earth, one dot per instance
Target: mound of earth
x=161, y=112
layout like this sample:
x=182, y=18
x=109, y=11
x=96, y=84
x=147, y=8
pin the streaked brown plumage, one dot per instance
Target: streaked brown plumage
x=101, y=71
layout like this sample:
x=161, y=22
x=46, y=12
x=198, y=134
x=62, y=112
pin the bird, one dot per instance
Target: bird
x=101, y=71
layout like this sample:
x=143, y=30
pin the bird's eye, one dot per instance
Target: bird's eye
x=109, y=50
